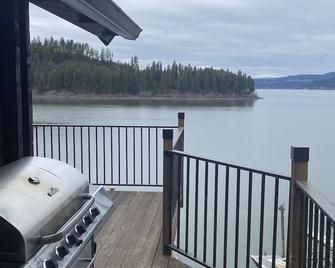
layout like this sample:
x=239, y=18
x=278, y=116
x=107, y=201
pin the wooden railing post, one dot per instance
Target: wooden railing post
x=299, y=172
x=181, y=124
x=181, y=120
x=167, y=190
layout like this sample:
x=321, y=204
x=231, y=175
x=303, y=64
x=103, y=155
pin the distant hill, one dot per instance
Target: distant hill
x=302, y=81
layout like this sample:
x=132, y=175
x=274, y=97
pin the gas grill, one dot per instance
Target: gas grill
x=48, y=215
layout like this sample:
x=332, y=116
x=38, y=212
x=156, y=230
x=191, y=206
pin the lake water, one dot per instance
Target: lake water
x=257, y=134
x=250, y=133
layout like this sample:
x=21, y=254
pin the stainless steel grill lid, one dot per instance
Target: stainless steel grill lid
x=37, y=197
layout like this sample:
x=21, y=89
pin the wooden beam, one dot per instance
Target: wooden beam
x=181, y=120
x=181, y=125
x=299, y=172
x=167, y=191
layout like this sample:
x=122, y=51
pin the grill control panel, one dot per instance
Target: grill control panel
x=72, y=240
x=78, y=242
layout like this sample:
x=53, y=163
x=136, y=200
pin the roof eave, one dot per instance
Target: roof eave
x=102, y=18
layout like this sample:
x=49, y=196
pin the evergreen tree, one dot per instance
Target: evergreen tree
x=65, y=65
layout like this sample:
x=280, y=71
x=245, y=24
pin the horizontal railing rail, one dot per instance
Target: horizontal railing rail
x=112, y=155
x=229, y=212
x=106, y=126
x=231, y=165
x=317, y=227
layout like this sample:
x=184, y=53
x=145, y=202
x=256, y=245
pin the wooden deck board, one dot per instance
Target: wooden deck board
x=132, y=237
x=129, y=232
x=160, y=260
x=116, y=224
x=108, y=228
x=150, y=245
x=141, y=233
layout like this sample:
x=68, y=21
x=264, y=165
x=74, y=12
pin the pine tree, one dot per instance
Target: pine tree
x=72, y=66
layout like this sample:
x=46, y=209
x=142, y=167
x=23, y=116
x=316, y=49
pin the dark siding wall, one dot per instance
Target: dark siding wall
x=14, y=91
x=26, y=93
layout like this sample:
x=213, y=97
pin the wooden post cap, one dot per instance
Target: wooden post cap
x=300, y=154
x=167, y=134
x=181, y=115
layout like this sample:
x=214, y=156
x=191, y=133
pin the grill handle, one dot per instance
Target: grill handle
x=52, y=238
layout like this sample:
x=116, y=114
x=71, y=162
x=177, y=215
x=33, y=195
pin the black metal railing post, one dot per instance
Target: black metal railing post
x=167, y=190
x=296, y=241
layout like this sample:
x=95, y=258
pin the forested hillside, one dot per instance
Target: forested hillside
x=302, y=81
x=65, y=65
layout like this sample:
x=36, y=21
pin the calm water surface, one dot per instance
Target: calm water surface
x=250, y=133
x=257, y=134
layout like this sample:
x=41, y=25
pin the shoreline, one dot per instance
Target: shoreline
x=119, y=98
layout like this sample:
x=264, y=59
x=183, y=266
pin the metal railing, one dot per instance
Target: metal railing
x=215, y=214
x=317, y=235
x=118, y=155
x=225, y=212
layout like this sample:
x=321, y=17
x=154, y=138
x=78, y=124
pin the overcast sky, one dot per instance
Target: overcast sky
x=260, y=37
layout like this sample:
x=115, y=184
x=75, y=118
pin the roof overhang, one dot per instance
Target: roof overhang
x=102, y=18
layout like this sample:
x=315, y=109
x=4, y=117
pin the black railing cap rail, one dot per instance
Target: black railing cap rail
x=300, y=154
x=105, y=126
x=323, y=204
x=181, y=115
x=130, y=185
x=261, y=172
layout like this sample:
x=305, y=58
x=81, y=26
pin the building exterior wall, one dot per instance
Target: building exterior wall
x=15, y=97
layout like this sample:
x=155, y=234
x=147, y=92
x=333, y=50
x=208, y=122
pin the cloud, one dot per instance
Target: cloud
x=261, y=37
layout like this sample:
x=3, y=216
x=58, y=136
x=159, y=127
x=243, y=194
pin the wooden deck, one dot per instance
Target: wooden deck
x=132, y=237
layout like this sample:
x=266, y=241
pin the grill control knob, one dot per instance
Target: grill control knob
x=61, y=251
x=34, y=180
x=71, y=240
x=80, y=229
x=50, y=264
x=94, y=212
x=87, y=220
